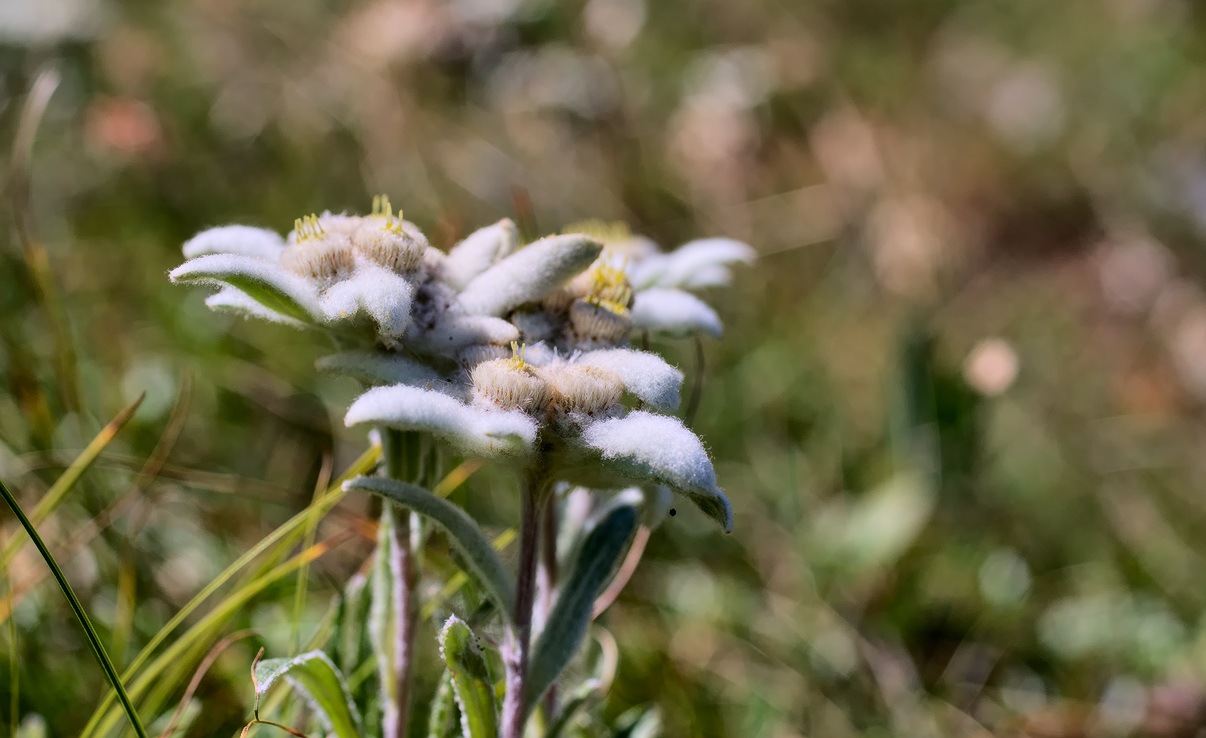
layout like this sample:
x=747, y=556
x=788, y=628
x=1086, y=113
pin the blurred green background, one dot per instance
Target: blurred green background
x=959, y=408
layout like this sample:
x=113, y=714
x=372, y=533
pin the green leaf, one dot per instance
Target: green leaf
x=442, y=722
x=566, y=626
x=350, y=624
x=470, y=679
x=586, y=692
x=462, y=531
x=316, y=677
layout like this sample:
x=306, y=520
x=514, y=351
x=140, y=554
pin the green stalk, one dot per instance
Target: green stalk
x=519, y=640
x=402, y=462
x=98, y=649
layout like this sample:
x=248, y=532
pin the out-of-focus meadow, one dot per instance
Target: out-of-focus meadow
x=959, y=405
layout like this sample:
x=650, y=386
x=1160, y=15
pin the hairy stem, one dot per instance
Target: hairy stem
x=520, y=636
x=547, y=580
x=402, y=464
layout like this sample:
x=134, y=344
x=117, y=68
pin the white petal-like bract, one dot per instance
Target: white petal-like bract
x=232, y=300
x=528, y=274
x=380, y=368
x=235, y=239
x=265, y=281
x=645, y=447
x=479, y=251
x=453, y=332
x=644, y=374
x=680, y=267
x=380, y=293
x=674, y=312
x=475, y=431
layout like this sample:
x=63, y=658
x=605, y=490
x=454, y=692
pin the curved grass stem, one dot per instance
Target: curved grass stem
x=98, y=648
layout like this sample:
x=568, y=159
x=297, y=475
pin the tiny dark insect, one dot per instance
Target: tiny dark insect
x=673, y=512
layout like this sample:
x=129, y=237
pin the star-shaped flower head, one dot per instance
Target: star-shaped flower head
x=633, y=287
x=343, y=273
x=564, y=417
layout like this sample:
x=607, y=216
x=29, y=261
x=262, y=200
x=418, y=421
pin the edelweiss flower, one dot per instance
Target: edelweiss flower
x=563, y=417
x=659, y=282
x=331, y=270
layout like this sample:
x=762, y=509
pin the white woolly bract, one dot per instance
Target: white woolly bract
x=479, y=251
x=474, y=431
x=528, y=274
x=535, y=325
x=453, y=332
x=644, y=374
x=231, y=300
x=265, y=281
x=235, y=239
x=380, y=368
x=675, y=313
x=677, y=268
x=644, y=447
x=375, y=291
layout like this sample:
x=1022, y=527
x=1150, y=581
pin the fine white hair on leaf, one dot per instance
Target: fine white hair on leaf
x=380, y=368
x=235, y=239
x=644, y=374
x=677, y=268
x=674, y=312
x=528, y=274
x=644, y=447
x=265, y=281
x=453, y=332
x=472, y=430
x=479, y=251
x=232, y=300
x=376, y=291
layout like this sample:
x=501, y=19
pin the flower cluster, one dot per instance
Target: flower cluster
x=518, y=354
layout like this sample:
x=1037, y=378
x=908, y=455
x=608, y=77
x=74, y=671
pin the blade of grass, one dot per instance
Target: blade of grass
x=36, y=257
x=98, y=648
x=458, y=580
x=173, y=655
x=199, y=673
x=58, y=491
x=334, y=494
x=303, y=574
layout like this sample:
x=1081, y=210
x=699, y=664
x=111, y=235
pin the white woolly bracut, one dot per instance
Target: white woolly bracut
x=645, y=375
x=267, y=282
x=674, y=313
x=235, y=239
x=528, y=274
x=380, y=368
x=374, y=291
x=232, y=300
x=479, y=251
x=699, y=263
x=472, y=430
x=644, y=447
